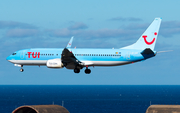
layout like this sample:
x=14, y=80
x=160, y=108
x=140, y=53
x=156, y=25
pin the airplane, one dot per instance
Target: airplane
x=77, y=59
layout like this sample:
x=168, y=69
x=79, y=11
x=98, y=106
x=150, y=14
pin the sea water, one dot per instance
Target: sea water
x=89, y=98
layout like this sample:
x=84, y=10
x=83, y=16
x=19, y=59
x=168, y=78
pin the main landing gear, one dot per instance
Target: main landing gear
x=76, y=70
x=21, y=68
x=87, y=71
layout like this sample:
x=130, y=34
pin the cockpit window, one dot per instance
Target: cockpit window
x=14, y=54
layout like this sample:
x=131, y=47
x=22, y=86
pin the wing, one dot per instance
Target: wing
x=68, y=58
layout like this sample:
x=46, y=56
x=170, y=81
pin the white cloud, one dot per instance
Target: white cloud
x=135, y=26
x=170, y=28
x=12, y=24
x=21, y=32
x=170, y=24
x=80, y=30
x=78, y=25
x=100, y=33
x=125, y=19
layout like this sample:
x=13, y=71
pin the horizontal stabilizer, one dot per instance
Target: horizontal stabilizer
x=164, y=51
x=147, y=51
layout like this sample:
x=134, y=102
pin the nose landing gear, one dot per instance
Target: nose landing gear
x=21, y=68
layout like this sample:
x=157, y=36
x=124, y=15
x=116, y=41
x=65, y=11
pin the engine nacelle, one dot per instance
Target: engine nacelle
x=54, y=63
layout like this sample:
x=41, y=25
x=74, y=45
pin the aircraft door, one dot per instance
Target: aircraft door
x=128, y=56
x=22, y=55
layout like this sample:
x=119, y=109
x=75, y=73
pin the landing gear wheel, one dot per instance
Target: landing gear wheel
x=87, y=71
x=76, y=70
x=21, y=70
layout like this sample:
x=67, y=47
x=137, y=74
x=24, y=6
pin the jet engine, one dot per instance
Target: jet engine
x=54, y=63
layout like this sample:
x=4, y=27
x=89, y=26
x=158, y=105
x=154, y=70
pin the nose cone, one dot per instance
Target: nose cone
x=8, y=58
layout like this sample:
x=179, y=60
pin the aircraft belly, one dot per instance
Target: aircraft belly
x=109, y=63
x=29, y=62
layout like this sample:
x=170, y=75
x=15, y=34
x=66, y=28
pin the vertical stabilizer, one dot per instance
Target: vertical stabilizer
x=148, y=38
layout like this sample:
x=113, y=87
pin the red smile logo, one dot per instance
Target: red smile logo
x=148, y=43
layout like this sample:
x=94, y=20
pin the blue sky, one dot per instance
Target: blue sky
x=94, y=24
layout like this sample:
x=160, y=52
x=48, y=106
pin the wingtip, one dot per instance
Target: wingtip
x=72, y=38
x=70, y=42
x=158, y=18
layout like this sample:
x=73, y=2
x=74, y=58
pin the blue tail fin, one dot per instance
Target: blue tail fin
x=148, y=38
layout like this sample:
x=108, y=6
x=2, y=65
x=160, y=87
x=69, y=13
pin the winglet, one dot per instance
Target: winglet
x=70, y=42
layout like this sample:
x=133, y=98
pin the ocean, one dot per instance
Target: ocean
x=89, y=98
